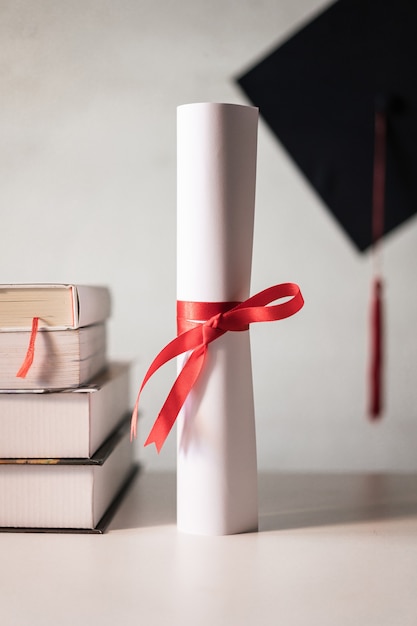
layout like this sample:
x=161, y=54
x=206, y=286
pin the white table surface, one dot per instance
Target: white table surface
x=331, y=550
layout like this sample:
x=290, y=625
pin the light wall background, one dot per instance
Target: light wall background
x=88, y=97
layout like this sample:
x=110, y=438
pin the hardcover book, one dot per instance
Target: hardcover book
x=62, y=358
x=57, y=306
x=65, y=494
x=64, y=424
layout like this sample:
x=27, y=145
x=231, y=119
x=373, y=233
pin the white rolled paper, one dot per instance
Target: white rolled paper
x=216, y=174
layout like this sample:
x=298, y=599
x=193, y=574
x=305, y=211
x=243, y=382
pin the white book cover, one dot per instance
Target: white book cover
x=64, y=424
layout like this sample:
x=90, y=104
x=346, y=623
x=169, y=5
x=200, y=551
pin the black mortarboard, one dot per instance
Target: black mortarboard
x=318, y=92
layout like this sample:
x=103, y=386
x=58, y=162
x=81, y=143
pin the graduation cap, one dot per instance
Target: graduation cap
x=319, y=92
x=341, y=96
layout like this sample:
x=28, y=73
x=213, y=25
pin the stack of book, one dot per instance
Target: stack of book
x=65, y=452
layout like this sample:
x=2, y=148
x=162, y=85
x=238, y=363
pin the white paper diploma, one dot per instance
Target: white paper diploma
x=216, y=173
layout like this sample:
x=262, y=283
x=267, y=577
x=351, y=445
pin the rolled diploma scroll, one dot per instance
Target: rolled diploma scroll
x=216, y=173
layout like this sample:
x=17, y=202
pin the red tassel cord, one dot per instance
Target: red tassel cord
x=376, y=364
x=376, y=316
x=30, y=354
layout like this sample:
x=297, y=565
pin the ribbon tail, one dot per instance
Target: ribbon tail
x=183, y=343
x=187, y=341
x=176, y=397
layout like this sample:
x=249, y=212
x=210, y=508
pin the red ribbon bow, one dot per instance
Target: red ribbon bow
x=229, y=317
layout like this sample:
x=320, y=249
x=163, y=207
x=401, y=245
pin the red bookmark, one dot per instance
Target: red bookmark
x=27, y=363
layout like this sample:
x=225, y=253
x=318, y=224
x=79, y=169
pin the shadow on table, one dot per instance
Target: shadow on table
x=286, y=501
x=149, y=501
x=290, y=501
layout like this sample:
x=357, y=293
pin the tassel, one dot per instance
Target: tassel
x=376, y=364
x=378, y=209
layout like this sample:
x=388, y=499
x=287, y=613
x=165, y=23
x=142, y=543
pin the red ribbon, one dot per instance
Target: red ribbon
x=221, y=318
